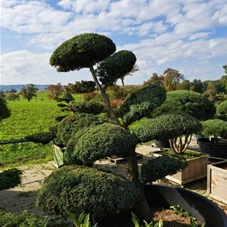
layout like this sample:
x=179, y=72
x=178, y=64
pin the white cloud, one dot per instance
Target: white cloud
x=160, y=33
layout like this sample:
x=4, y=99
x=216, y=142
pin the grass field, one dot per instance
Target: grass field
x=27, y=118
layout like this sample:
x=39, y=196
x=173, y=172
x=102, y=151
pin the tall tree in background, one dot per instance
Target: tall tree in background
x=81, y=87
x=171, y=79
x=197, y=86
x=54, y=91
x=224, y=77
x=155, y=79
x=210, y=91
x=29, y=91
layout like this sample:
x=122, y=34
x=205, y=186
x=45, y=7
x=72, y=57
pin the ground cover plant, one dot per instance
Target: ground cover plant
x=88, y=144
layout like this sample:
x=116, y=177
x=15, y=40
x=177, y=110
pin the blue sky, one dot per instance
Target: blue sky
x=187, y=35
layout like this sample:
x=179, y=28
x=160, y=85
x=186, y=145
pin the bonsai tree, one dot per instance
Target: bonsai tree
x=193, y=103
x=94, y=142
x=176, y=127
x=216, y=128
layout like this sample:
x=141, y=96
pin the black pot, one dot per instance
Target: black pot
x=164, y=196
x=162, y=143
x=199, y=206
x=213, y=149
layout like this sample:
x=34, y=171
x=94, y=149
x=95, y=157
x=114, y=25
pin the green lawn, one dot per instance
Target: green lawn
x=27, y=118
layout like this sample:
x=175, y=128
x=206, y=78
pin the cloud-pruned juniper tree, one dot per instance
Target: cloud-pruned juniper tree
x=67, y=189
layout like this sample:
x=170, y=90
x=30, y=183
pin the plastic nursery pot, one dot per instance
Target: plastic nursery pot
x=213, y=149
x=199, y=206
x=162, y=143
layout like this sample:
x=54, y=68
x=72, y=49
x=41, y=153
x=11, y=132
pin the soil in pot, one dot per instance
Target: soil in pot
x=169, y=217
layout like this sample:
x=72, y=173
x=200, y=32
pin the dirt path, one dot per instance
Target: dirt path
x=23, y=197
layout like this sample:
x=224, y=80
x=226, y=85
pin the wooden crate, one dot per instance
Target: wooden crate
x=217, y=181
x=196, y=169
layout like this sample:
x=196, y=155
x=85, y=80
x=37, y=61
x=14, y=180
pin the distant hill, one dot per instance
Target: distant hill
x=18, y=87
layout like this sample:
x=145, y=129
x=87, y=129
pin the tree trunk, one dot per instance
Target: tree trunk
x=141, y=205
x=104, y=97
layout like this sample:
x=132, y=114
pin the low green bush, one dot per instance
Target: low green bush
x=74, y=189
x=10, y=178
x=73, y=123
x=99, y=142
x=93, y=107
x=25, y=219
x=160, y=167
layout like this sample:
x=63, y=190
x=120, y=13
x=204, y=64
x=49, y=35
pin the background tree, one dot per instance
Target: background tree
x=29, y=91
x=197, y=86
x=2, y=94
x=172, y=79
x=13, y=96
x=54, y=91
x=155, y=79
x=81, y=87
x=210, y=91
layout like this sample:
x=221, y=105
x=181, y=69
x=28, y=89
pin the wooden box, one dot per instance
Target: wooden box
x=196, y=169
x=217, y=181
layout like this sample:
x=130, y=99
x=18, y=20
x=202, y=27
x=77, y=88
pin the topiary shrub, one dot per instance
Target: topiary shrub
x=87, y=107
x=98, y=142
x=10, y=178
x=177, y=127
x=142, y=103
x=74, y=123
x=216, y=128
x=193, y=103
x=160, y=167
x=85, y=190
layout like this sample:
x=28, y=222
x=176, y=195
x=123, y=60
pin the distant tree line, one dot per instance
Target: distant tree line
x=171, y=80
x=28, y=92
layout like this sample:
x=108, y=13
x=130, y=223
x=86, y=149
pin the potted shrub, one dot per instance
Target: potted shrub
x=78, y=187
x=178, y=127
x=214, y=141
x=193, y=103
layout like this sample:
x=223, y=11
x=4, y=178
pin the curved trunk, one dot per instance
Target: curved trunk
x=141, y=205
x=104, y=97
x=178, y=145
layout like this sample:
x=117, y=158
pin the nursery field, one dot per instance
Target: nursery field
x=27, y=118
